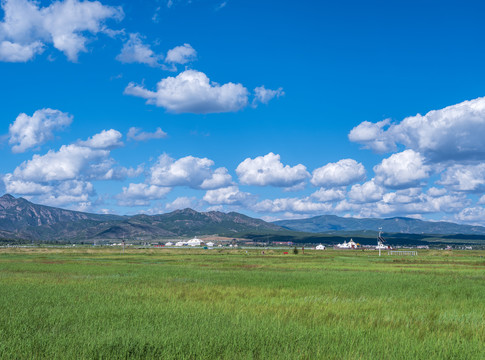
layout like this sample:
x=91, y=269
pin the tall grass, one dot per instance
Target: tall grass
x=179, y=304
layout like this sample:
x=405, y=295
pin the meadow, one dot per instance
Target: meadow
x=82, y=303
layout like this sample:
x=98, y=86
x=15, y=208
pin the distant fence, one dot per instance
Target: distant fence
x=398, y=252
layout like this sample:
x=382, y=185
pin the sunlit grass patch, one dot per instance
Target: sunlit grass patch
x=189, y=303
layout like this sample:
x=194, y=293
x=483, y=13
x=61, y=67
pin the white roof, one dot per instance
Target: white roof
x=194, y=242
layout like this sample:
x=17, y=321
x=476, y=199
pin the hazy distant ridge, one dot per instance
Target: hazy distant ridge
x=332, y=223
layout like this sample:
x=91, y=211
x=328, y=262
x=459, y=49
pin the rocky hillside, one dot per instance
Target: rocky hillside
x=21, y=219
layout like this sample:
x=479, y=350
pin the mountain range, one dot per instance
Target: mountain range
x=21, y=219
x=332, y=224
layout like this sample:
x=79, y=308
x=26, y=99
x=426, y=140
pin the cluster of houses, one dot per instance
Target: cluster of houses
x=193, y=242
x=353, y=245
x=347, y=245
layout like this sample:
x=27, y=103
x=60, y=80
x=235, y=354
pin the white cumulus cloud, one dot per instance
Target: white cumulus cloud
x=407, y=202
x=470, y=178
x=141, y=194
x=13, y=52
x=341, y=173
x=135, y=51
x=137, y=134
x=181, y=54
x=329, y=195
x=74, y=192
x=230, y=195
x=85, y=160
x=192, y=92
x=183, y=202
x=106, y=139
x=19, y=186
x=292, y=205
x=263, y=95
x=472, y=215
x=269, y=171
x=188, y=171
x=366, y=192
x=27, y=28
x=66, y=164
x=373, y=136
x=27, y=132
x=452, y=133
x=402, y=170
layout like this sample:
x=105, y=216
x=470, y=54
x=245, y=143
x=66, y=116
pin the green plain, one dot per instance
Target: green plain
x=84, y=303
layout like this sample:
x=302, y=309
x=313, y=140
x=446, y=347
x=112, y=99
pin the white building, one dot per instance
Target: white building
x=320, y=247
x=169, y=244
x=348, y=245
x=195, y=242
x=210, y=244
x=180, y=243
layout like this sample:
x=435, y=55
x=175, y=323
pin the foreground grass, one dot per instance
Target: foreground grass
x=194, y=304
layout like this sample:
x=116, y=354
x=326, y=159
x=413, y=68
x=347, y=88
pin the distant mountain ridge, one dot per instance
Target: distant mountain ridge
x=333, y=223
x=22, y=219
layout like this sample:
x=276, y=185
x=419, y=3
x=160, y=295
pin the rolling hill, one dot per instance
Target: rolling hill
x=333, y=224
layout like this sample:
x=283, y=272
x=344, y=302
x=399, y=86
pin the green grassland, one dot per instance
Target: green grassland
x=81, y=303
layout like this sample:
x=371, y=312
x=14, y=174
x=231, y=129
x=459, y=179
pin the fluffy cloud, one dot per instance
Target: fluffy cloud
x=13, y=52
x=473, y=215
x=141, y=194
x=452, y=133
x=137, y=134
x=181, y=54
x=329, y=195
x=66, y=164
x=182, y=202
x=366, y=193
x=106, y=139
x=26, y=28
x=341, y=173
x=401, y=170
x=435, y=192
x=188, y=171
x=70, y=192
x=268, y=170
x=372, y=136
x=19, y=186
x=464, y=178
x=27, y=132
x=135, y=51
x=263, y=95
x=72, y=162
x=219, y=178
x=192, y=92
x=407, y=196
x=293, y=205
x=62, y=177
x=53, y=194
x=226, y=196
x=409, y=202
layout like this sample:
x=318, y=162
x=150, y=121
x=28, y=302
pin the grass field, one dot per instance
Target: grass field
x=229, y=304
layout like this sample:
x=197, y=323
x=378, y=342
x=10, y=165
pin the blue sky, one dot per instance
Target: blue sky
x=275, y=109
